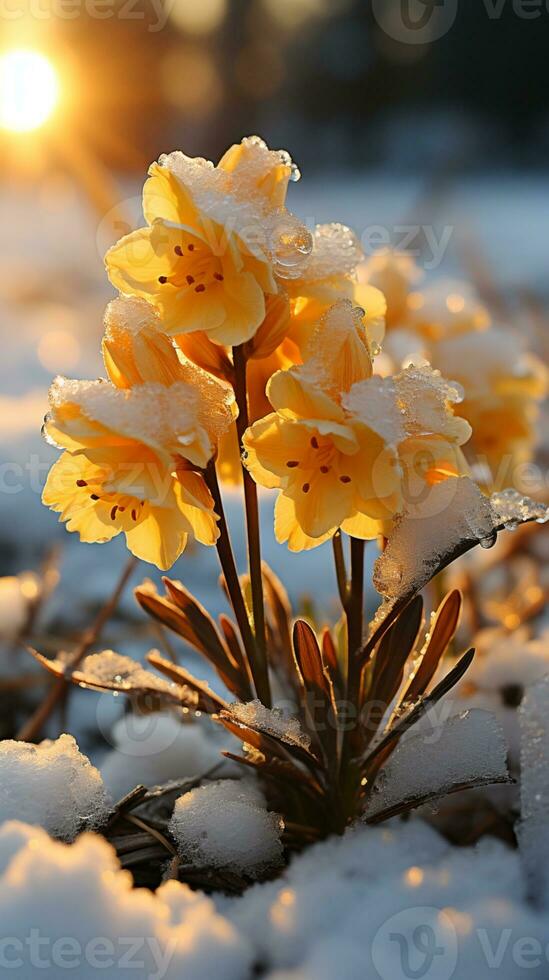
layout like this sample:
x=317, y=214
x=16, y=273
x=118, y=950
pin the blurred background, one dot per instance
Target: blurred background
x=421, y=123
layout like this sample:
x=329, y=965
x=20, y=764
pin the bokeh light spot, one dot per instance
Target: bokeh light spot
x=58, y=350
x=197, y=16
x=29, y=90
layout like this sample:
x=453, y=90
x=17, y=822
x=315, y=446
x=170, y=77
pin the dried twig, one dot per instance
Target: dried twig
x=32, y=729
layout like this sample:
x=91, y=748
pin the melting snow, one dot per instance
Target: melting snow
x=469, y=747
x=79, y=891
x=271, y=720
x=226, y=825
x=52, y=785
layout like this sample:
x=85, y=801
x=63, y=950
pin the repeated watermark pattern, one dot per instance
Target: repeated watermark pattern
x=417, y=943
x=426, y=21
x=423, y=943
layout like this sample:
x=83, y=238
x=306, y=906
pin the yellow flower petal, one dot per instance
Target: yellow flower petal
x=196, y=504
x=296, y=397
x=160, y=538
x=164, y=196
x=361, y=526
x=73, y=503
x=322, y=502
x=288, y=530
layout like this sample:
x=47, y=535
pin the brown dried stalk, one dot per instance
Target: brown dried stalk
x=32, y=728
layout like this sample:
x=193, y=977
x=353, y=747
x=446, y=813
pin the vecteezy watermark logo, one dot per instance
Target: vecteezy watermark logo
x=415, y=21
x=416, y=944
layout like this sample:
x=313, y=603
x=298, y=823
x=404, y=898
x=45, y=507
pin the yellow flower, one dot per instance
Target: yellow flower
x=502, y=386
x=215, y=239
x=347, y=450
x=395, y=274
x=260, y=169
x=330, y=275
x=131, y=460
x=134, y=348
x=445, y=309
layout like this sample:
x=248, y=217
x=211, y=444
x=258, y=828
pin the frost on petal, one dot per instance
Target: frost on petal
x=336, y=251
x=467, y=749
x=373, y=402
x=512, y=508
x=79, y=891
x=150, y=413
x=130, y=314
x=217, y=404
x=52, y=785
x=267, y=231
x=533, y=829
x=418, y=401
x=424, y=398
x=226, y=825
x=273, y=721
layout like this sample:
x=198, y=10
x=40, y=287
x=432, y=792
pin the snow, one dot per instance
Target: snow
x=425, y=535
x=533, y=830
x=71, y=910
x=332, y=913
x=130, y=314
x=109, y=668
x=466, y=748
x=52, y=785
x=505, y=667
x=274, y=721
x=336, y=251
x=226, y=825
x=512, y=509
x=157, y=748
x=150, y=413
x=414, y=402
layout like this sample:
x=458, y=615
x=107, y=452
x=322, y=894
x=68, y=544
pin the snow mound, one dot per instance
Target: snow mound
x=157, y=748
x=52, y=785
x=69, y=909
x=226, y=825
x=359, y=907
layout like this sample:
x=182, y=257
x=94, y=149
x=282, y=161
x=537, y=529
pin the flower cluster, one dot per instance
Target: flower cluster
x=347, y=449
x=136, y=445
x=244, y=347
x=229, y=306
x=446, y=324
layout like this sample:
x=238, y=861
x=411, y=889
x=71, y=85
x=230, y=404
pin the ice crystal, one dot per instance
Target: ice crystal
x=512, y=508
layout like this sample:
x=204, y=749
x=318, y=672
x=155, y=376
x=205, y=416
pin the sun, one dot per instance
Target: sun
x=29, y=90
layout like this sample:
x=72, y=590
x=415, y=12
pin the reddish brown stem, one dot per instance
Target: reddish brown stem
x=32, y=729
